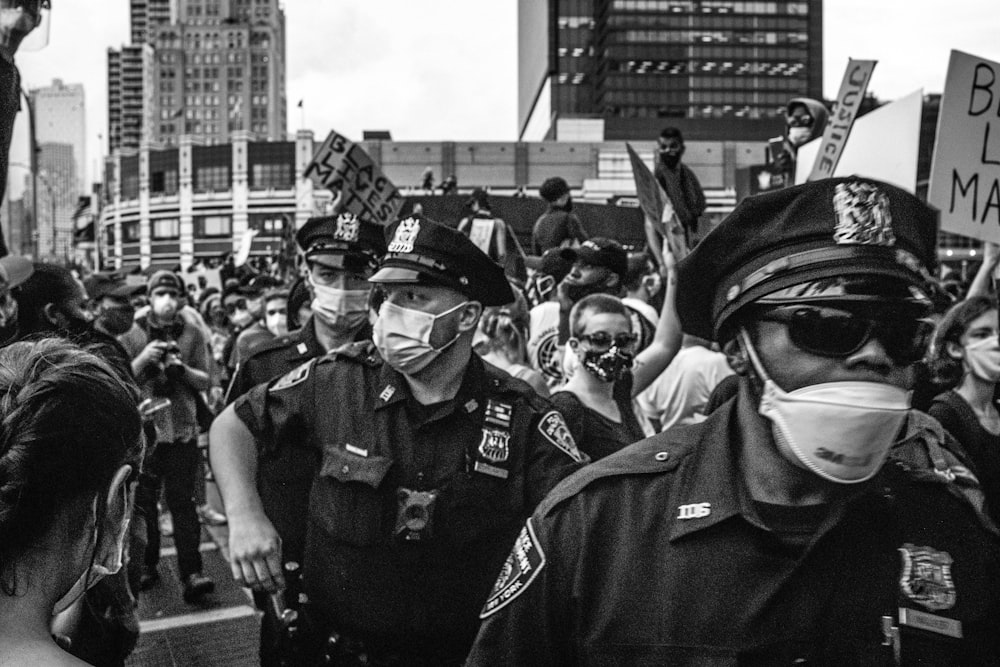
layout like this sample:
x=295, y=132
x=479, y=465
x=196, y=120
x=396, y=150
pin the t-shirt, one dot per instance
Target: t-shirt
x=595, y=434
x=680, y=393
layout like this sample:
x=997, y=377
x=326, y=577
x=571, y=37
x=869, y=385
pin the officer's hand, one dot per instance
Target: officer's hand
x=255, y=553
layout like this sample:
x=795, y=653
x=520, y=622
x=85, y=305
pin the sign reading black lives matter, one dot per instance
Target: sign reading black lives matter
x=343, y=166
x=965, y=172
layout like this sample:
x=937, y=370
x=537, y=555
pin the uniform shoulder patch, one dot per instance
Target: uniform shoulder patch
x=525, y=561
x=293, y=377
x=553, y=427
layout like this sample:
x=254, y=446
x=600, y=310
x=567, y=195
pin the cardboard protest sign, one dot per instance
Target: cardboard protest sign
x=838, y=127
x=896, y=124
x=965, y=171
x=343, y=166
x=656, y=205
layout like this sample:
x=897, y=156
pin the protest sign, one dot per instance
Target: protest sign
x=656, y=206
x=246, y=243
x=965, y=171
x=838, y=127
x=896, y=124
x=343, y=166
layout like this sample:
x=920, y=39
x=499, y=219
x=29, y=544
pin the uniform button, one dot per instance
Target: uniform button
x=662, y=456
x=346, y=469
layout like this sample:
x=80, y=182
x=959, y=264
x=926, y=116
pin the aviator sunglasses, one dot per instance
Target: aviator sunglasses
x=602, y=340
x=835, y=332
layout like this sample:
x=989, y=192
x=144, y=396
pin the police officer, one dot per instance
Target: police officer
x=777, y=532
x=430, y=461
x=341, y=254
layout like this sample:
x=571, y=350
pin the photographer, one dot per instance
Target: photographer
x=170, y=360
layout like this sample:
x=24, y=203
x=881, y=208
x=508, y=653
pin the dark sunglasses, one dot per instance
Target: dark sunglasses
x=604, y=340
x=798, y=121
x=834, y=332
x=233, y=306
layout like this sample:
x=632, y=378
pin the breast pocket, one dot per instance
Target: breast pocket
x=477, y=505
x=349, y=500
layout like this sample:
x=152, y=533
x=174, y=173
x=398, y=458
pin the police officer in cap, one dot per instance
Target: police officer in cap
x=804, y=522
x=430, y=462
x=341, y=254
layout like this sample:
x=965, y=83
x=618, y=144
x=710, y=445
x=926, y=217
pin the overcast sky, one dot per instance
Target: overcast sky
x=447, y=69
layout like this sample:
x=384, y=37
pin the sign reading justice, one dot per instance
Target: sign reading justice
x=343, y=166
x=965, y=174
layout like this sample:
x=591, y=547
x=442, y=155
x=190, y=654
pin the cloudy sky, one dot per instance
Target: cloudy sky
x=447, y=69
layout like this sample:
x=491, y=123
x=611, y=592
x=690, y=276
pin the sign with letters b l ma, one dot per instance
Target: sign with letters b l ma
x=343, y=166
x=965, y=172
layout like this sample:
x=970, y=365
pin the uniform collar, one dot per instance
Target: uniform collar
x=393, y=388
x=304, y=341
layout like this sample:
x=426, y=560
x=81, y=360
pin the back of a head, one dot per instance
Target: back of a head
x=69, y=423
x=553, y=188
x=49, y=283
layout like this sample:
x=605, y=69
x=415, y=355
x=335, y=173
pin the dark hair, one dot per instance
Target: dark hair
x=553, y=188
x=69, y=423
x=672, y=133
x=595, y=304
x=945, y=369
x=50, y=283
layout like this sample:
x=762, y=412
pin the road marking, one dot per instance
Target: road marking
x=196, y=618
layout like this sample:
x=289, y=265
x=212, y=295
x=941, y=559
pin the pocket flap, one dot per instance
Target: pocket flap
x=347, y=467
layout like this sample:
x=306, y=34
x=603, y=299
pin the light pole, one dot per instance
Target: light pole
x=32, y=139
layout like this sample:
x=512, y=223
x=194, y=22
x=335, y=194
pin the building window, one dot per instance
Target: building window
x=163, y=182
x=271, y=176
x=130, y=186
x=130, y=232
x=168, y=228
x=267, y=224
x=213, y=225
x=211, y=179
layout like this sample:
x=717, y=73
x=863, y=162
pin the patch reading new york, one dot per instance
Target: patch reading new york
x=293, y=377
x=555, y=430
x=523, y=564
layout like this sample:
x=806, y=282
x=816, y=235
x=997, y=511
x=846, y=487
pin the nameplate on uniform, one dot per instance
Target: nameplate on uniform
x=490, y=470
x=914, y=618
x=356, y=450
x=301, y=348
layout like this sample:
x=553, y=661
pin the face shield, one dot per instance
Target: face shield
x=27, y=17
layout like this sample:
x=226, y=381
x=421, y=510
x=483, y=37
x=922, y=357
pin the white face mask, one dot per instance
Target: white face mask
x=403, y=337
x=339, y=309
x=841, y=431
x=108, y=555
x=799, y=135
x=982, y=358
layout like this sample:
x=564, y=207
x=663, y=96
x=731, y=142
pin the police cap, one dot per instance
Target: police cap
x=427, y=252
x=341, y=242
x=839, y=239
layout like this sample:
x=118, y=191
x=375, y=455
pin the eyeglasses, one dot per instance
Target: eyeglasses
x=233, y=306
x=604, y=340
x=799, y=121
x=834, y=332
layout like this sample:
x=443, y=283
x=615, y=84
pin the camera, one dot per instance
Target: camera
x=415, y=514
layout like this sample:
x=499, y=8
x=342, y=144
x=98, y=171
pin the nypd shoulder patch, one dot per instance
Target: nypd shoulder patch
x=293, y=377
x=522, y=566
x=553, y=427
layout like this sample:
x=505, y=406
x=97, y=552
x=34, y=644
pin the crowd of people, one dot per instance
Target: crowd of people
x=782, y=448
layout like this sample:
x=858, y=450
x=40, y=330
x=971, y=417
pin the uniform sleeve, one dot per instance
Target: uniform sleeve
x=551, y=454
x=279, y=412
x=524, y=620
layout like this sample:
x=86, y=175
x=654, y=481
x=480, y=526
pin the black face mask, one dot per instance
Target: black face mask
x=77, y=328
x=577, y=292
x=608, y=366
x=117, y=320
x=671, y=160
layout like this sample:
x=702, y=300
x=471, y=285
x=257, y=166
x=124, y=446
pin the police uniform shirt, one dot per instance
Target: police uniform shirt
x=274, y=358
x=657, y=555
x=491, y=453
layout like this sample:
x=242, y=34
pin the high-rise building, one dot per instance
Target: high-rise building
x=717, y=69
x=58, y=191
x=145, y=16
x=219, y=69
x=129, y=95
x=60, y=118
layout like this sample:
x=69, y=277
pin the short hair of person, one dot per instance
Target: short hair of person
x=945, y=369
x=506, y=326
x=595, y=304
x=69, y=423
x=672, y=133
x=50, y=283
x=274, y=294
x=553, y=188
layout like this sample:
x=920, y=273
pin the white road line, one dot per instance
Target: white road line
x=196, y=618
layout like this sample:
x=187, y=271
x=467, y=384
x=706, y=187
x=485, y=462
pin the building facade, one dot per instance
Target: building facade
x=717, y=69
x=130, y=95
x=60, y=118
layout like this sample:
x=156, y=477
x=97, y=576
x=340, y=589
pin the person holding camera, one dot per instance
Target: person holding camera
x=430, y=460
x=170, y=360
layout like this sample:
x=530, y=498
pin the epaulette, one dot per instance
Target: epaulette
x=659, y=454
x=502, y=382
x=278, y=343
x=360, y=352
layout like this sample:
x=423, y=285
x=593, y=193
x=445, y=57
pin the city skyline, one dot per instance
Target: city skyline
x=452, y=75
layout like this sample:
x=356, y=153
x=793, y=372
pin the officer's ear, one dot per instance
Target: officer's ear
x=736, y=356
x=468, y=318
